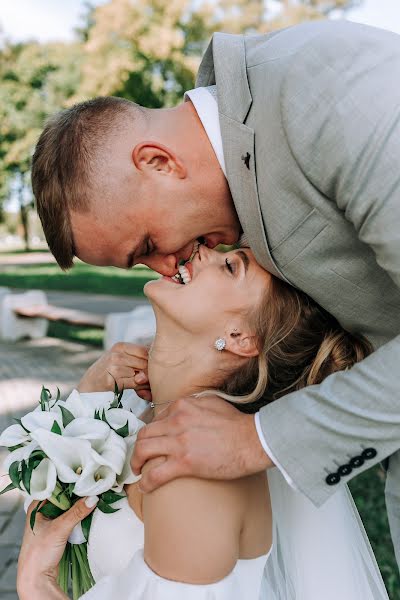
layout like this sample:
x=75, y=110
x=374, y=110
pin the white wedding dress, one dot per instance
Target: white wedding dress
x=115, y=553
x=317, y=554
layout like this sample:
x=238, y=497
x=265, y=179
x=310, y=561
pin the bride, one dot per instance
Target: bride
x=232, y=330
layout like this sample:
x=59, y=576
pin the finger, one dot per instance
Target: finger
x=129, y=383
x=161, y=428
x=145, y=394
x=156, y=477
x=141, y=377
x=152, y=448
x=65, y=523
x=126, y=360
x=132, y=349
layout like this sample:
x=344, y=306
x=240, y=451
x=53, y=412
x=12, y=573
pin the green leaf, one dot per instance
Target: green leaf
x=50, y=511
x=86, y=523
x=33, y=515
x=10, y=487
x=67, y=416
x=105, y=508
x=110, y=497
x=26, y=476
x=36, y=458
x=12, y=448
x=15, y=474
x=123, y=431
x=56, y=428
x=20, y=423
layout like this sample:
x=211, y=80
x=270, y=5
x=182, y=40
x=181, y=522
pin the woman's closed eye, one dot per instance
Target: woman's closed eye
x=230, y=266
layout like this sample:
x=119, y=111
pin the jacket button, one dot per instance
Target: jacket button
x=332, y=479
x=344, y=470
x=356, y=462
x=369, y=453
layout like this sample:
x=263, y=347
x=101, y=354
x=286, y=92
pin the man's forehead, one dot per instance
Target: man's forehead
x=102, y=242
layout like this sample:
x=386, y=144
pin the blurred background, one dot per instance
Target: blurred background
x=53, y=54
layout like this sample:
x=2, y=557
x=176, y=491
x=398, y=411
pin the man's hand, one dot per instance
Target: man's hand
x=124, y=363
x=200, y=437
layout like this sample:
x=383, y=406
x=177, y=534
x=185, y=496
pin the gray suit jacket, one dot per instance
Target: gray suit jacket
x=310, y=121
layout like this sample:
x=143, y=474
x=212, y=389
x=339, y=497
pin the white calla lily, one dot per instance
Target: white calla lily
x=69, y=455
x=85, y=405
x=127, y=476
x=118, y=417
x=20, y=454
x=43, y=480
x=76, y=536
x=113, y=452
x=95, y=480
x=41, y=419
x=85, y=428
x=13, y=436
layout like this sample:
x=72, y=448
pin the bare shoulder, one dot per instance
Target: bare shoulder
x=192, y=529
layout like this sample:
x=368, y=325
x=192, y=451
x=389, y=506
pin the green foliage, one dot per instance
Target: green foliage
x=368, y=493
x=82, y=278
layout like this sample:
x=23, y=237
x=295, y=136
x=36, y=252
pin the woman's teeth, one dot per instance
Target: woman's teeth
x=184, y=273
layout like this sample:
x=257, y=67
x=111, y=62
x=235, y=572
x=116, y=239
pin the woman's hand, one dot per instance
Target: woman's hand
x=124, y=363
x=42, y=549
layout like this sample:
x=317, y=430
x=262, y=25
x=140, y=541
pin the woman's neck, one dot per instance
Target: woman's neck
x=179, y=369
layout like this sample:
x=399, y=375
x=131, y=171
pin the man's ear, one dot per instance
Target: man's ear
x=242, y=343
x=152, y=156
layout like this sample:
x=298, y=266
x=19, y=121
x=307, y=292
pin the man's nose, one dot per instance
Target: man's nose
x=163, y=264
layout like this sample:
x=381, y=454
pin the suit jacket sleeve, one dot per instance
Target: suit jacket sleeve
x=341, y=112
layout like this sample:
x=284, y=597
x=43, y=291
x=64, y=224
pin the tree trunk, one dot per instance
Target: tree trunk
x=24, y=215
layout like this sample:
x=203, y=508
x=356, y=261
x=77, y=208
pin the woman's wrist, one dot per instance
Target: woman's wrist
x=41, y=588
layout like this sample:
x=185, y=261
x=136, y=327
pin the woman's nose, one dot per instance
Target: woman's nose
x=206, y=253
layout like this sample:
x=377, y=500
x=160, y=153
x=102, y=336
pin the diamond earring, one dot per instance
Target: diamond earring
x=220, y=344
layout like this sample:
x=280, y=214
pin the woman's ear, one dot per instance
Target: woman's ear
x=154, y=157
x=242, y=343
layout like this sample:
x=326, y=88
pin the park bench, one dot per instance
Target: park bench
x=65, y=315
x=27, y=315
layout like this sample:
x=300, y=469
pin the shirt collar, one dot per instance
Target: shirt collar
x=204, y=100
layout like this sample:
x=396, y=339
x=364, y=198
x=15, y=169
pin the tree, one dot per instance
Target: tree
x=35, y=81
x=149, y=52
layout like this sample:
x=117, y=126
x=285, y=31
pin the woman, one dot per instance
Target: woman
x=232, y=329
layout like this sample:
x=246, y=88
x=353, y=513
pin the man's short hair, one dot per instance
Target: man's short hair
x=64, y=162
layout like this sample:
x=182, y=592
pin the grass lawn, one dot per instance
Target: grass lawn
x=81, y=278
x=73, y=333
x=368, y=493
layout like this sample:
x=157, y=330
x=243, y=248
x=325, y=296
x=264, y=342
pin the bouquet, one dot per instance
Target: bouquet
x=64, y=450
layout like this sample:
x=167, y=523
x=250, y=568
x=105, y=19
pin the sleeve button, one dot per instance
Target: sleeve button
x=332, y=478
x=356, y=462
x=345, y=470
x=369, y=453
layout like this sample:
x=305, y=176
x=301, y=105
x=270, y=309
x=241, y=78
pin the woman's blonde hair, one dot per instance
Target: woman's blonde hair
x=299, y=344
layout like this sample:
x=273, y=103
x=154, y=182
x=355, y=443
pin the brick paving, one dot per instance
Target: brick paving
x=24, y=367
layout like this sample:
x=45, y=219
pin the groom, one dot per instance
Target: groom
x=294, y=139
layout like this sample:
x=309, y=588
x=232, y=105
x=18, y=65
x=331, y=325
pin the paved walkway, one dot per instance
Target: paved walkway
x=24, y=367
x=101, y=304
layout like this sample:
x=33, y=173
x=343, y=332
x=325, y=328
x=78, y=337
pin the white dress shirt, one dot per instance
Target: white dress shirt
x=205, y=101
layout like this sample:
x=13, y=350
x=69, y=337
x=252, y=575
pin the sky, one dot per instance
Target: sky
x=55, y=19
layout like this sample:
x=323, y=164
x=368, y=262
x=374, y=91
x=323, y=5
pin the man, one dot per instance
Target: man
x=294, y=138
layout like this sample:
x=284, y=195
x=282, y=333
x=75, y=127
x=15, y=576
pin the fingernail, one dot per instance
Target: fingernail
x=140, y=377
x=91, y=501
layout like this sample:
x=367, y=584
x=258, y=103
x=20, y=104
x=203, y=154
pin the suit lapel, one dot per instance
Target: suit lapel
x=224, y=63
